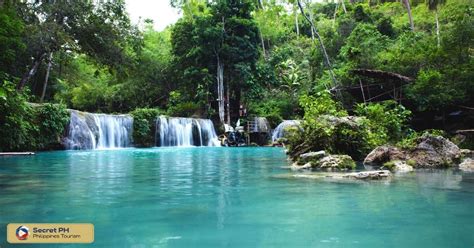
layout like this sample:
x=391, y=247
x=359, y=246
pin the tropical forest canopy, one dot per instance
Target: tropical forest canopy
x=269, y=57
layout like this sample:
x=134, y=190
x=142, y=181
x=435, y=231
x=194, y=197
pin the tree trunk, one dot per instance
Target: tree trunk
x=410, y=17
x=30, y=73
x=312, y=29
x=296, y=24
x=263, y=43
x=228, y=102
x=46, y=78
x=437, y=28
x=220, y=88
x=321, y=44
x=344, y=6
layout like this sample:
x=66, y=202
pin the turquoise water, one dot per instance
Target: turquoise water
x=231, y=197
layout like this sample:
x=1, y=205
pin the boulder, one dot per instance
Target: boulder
x=383, y=154
x=467, y=165
x=434, y=152
x=336, y=162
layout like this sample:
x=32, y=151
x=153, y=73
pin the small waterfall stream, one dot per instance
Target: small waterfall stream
x=279, y=131
x=176, y=131
x=98, y=131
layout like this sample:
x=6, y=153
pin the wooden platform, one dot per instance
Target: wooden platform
x=16, y=153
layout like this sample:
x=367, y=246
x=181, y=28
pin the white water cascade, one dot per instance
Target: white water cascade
x=98, y=131
x=279, y=131
x=176, y=131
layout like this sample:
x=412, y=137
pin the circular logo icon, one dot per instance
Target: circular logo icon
x=22, y=233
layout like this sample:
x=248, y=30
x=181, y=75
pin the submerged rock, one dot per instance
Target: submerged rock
x=467, y=165
x=363, y=175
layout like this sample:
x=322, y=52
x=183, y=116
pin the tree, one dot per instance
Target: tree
x=102, y=31
x=223, y=43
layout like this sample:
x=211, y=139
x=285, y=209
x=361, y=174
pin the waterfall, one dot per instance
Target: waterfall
x=279, y=131
x=176, y=131
x=98, y=131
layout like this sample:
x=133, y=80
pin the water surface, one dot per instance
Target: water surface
x=231, y=197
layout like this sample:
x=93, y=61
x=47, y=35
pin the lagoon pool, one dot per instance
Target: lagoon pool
x=230, y=197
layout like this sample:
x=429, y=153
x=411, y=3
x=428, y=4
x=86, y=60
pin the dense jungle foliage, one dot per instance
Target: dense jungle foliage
x=89, y=56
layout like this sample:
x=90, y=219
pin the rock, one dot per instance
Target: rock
x=378, y=174
x=336, y=162
x=296, y=166
x=383, y=154
x=466, y=153
x=467, y=165
x=353, y=121
x=311, y=156
x=364, y=175
x=402, y=167
x=434, y=152
x=430, y=152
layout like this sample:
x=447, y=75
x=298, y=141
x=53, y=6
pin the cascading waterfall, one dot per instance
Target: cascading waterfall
x=98, y=131
x=279, y=131
x=176, y=131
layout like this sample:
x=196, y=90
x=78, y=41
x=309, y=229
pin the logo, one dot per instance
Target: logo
x=22, y=233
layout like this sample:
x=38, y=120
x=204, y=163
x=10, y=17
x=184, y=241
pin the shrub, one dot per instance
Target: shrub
x=387, y=121
x=15, y=119
x=50, y=121
x=144, y=125
x=24, y=127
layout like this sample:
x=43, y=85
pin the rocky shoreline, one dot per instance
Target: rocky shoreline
x=430, y=152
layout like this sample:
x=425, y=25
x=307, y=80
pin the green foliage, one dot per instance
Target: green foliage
x=282, y=106
x=387, y=121
x=390, y=165
x=15, y=119
x=363, y=45
x=320, y=104
x=184, y=109
x=144, y=126
x=411, y=139
x=11, y=43
x=50, y=121
x=436, y=92
x=27, y=127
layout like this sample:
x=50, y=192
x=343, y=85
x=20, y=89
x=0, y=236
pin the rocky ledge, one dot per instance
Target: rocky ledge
x=430, y=152
x=323, y=161
x=364, y=175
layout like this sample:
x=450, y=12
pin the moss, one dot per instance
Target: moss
x=347, y=163
x=390, y=165
x=411, y=162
